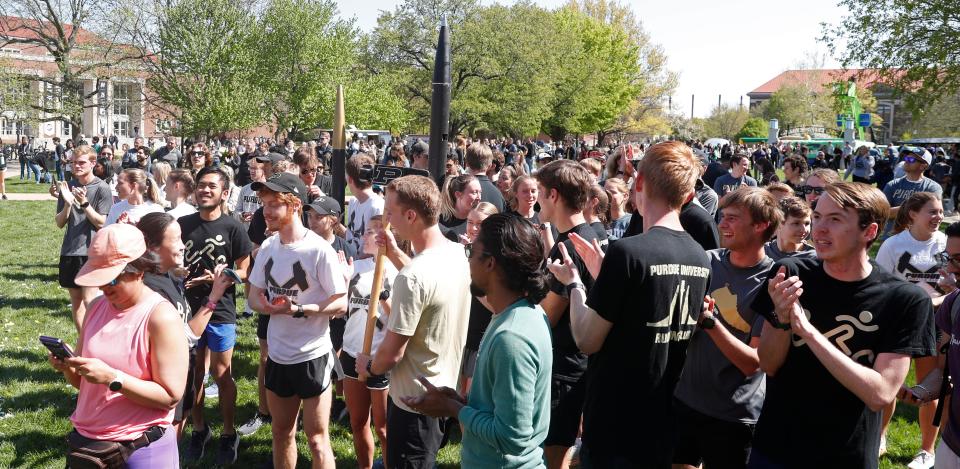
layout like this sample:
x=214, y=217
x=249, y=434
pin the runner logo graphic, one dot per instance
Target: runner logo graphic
x=842, y=334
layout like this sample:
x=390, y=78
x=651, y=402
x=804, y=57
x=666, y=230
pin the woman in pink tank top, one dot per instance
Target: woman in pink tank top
x=131, y=362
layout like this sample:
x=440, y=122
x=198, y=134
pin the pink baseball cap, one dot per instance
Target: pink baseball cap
x=112, y=248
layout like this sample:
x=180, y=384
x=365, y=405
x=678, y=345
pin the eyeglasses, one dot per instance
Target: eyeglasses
x=106, y=153
x=909, y=159
x=198, y=153
x=945, y=258
x=810, y=190
x=304, y=172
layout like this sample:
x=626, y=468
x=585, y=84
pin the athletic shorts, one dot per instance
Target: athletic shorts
x=263, y=321
x=469, y=362
x=375, y=382
x=218, y=337
x=189, y=393
x=708, y=440
x=418, y=438
x=337, y=328
x=69, y=266
x=566, y=407
x=304, y=380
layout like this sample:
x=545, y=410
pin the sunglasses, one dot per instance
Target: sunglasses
x=468, y=249
x=910, y=159
x=945, y=258
x=304, y=172
x=196, y=153
x=810, y=190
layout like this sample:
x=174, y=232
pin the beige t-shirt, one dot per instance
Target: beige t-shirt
x=430, y=302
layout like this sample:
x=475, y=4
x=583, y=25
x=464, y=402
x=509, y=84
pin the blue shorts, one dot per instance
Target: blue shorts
x=218, y=337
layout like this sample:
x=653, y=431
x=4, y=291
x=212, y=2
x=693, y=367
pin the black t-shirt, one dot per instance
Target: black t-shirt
x=172, y=290
x=569, y=363
x=694, y=220
x=601, y=231
x=713, y=171
x=479, y=320
x=809, y=419
x=650, y=287
x=206, y=244
x=457, y=226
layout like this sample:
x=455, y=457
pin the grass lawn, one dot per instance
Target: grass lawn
x=16, y=186
x=36, y=402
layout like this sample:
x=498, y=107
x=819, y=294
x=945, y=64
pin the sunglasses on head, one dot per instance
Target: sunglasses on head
x=810, y=190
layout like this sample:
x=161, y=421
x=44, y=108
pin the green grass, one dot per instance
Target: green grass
x=16, y=186
x=38, y=400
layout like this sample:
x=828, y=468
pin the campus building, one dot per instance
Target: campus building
x=890, y=108
x=115, y=103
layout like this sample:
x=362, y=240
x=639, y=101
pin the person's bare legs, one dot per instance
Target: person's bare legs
x=3, y=182
x=261, y=388
x=196, y=413
x=928, y=432
x=80, y=298
x=558, y=457
x=284, y=429
x=221, y=371
x=378, y=401
x=316, y=423
x=358, y=404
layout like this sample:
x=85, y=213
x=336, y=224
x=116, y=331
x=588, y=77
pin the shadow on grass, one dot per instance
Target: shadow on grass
x=48, y=304
x=38, y=449
x=23, y=276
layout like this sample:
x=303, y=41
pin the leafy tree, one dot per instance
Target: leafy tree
x=755, y=127
x=940, y=119
x=725, y=121
x=798, y=104
x=204, y=66
x=911, y=44
x=303, y=51
x=68, y=32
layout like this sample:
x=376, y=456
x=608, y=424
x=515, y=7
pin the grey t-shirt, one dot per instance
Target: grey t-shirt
x=728, y=183
x=900, y=189
x=80, y=231
x=710, y=383
x=773, y=251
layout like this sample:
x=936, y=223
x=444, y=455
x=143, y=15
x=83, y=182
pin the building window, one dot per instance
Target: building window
x=11, y=127
x=121, y=128
x=121, y=99
x=67, y=129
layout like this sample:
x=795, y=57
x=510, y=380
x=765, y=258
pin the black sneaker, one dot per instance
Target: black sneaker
x=198, y=441
x=227, y=454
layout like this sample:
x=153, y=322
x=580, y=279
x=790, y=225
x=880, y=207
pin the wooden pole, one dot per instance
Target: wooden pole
x=374, y=304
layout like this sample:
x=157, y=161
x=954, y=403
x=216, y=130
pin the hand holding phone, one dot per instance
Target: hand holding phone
x=57, y=347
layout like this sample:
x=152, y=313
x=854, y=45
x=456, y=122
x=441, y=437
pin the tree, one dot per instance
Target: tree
x=725, y=121
x=204, y=66
x=63, y=30
x=303, y=51
x=910, y=44
x=755, y=127
x=940, y=119
x=796, y=105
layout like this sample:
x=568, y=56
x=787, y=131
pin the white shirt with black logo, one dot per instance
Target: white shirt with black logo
x=308, y=272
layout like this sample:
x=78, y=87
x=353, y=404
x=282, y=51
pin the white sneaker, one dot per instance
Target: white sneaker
x=923, y=460
x=883, y=445
x=211, y=391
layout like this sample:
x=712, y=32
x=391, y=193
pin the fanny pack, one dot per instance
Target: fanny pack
x=88, y=453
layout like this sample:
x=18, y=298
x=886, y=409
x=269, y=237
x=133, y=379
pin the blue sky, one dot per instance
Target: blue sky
x=724, y=48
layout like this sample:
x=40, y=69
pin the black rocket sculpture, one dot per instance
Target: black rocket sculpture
x=440, y=105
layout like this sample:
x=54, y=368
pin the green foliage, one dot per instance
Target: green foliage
x=800, y=104
x=912, y=45
x=939, y=119
x=725, y=121
x=204, y=66
x=755, y=127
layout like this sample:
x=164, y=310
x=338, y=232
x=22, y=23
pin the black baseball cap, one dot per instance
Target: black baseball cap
x=271, y=158
x=325, y=205
x=284, y=183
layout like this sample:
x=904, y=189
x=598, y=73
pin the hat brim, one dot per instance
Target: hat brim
x=256, y=186
x=94, y=276
x=321, y=210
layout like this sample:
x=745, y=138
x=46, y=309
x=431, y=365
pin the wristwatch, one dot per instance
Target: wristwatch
x=369, y=367
x=117, y=384
x=574, y=285
x=708, y=321
x=84, y=205
x=299, y=311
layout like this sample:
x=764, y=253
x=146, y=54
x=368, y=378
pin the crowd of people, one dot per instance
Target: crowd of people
x=644, y=305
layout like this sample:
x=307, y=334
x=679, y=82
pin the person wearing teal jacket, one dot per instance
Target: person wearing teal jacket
x=506, y=417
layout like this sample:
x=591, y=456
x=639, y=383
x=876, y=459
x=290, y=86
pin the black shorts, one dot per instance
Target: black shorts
x=708, y=440
x=469, y=362
x=305, y=380
x=69, y=266
x=375, y=382
x=566, y=407
x=190, y=392
x=417, y=440
x=337, y=328
x=263, y=321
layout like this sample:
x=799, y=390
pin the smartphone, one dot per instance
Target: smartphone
x=57, y=347
x=233, y=275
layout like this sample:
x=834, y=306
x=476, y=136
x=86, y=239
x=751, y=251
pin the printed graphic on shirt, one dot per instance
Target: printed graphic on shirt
x=681, y=318
x=360, y=298
x=298, y=278
x=726, y=303
x=210, y=245
x=846, y=330
x=913, y=274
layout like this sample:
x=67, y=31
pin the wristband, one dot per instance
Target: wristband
x=211, y=305
x=299, y=311
x=369, y=367
x=574, y=285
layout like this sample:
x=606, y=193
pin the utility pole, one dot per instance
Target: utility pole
x=692, y=97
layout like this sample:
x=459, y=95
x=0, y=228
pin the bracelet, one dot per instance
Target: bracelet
x=573, y=286
x=211, y=305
